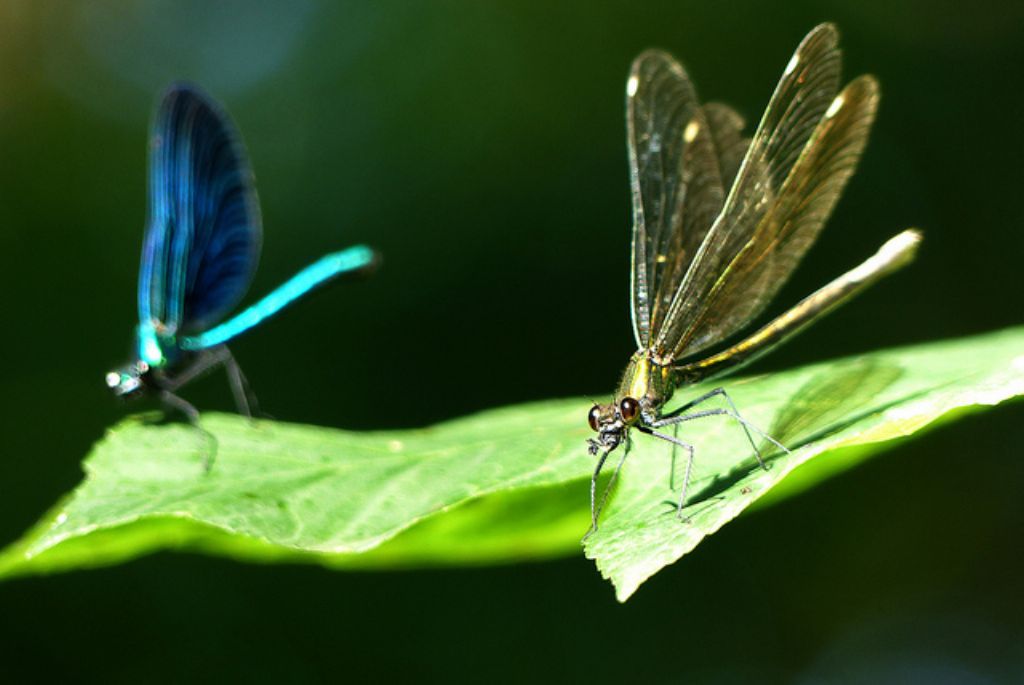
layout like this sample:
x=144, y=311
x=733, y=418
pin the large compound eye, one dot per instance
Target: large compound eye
x=594, y=417
x=629, y=409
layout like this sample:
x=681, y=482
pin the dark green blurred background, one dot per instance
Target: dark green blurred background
x=481, y=147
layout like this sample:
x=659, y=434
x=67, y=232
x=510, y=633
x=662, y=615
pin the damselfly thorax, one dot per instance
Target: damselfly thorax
x=646, y=386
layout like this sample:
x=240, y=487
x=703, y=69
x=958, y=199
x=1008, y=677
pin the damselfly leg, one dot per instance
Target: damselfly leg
x=206, y=362
x=679, y=416
x=595, y=507
x=174, y=402
x=676, y=442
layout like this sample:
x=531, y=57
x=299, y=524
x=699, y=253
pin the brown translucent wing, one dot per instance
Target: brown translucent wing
x=727, y=133
x=797, y=216
x=766, y=191
x=675, y=181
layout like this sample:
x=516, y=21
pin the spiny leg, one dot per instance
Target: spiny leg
x=203, y=363
x=180, y=404
x=245, y=398
x=207, y=361
x=593, y=493
x=169, y=399
x=676, y=442
x=677, y=416
x=595, y=509
x=675, y=420
x=732, y=415
x=672, y=472
x=720, y=391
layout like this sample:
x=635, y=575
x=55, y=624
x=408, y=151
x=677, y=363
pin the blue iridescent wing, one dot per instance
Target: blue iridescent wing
x=203, y=235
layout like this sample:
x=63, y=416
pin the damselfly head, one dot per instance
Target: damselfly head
x=128, y=381
x=610, y=422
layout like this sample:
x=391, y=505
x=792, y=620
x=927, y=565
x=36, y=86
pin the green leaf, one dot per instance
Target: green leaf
x=505, y=485
x=285, y=492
